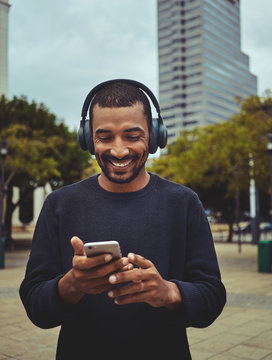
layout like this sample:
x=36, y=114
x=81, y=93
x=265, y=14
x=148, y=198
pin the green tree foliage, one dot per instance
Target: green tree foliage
x=214, y=160
x=41, y=149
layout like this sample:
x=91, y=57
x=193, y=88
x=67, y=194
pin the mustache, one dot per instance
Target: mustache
x=106, y=157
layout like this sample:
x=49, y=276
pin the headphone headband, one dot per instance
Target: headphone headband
x=100, y=86
x=158, y=131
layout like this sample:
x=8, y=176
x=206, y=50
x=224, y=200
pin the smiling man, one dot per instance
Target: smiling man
x=140, y=305
x=121, y=146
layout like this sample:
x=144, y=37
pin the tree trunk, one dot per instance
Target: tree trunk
x=230, y=224
x=10, y=207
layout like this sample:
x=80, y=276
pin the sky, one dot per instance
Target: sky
x=60, y=49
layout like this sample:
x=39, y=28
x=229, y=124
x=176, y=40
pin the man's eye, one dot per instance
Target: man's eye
x=134, y=138
x=104, y=138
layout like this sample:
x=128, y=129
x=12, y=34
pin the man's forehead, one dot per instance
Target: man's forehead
x=127, y=116
x=101, y=130
x=137, y=105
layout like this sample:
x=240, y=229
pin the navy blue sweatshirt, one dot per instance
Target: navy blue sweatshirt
x=164, y=222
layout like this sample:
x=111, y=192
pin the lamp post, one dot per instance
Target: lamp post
x=253, y=203
x=269, y=149
x=3, y=151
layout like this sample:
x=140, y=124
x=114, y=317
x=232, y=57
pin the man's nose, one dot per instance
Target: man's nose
x=119, y=149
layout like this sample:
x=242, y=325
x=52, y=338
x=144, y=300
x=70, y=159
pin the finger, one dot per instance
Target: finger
x=127, y=267
x=139, y=261
x=129, y=289
x=135, y=275
x=99, y=265
x=77, y=245
x=99, y=289
x=84, y=263
x=107, y=269
x=134, y=298
x=96, y=286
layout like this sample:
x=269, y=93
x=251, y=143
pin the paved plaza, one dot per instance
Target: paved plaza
x=243, y=331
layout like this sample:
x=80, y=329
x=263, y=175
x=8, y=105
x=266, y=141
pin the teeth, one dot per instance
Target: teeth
x=120, y=164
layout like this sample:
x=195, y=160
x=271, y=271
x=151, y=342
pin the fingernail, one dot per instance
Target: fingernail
x=125, y=261
x=110, y=293
x=116, y=301
x=130, y=267
x=131, y=256
x=112, y=279
x=108, y=257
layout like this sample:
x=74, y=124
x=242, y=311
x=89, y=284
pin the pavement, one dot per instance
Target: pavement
x=242, y=331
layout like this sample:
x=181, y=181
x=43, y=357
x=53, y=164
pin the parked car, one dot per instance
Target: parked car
x=245, y=227
x=265, y=227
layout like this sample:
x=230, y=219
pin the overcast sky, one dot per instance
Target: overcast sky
x=60, y=49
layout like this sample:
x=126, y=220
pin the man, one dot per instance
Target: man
x=169, y=278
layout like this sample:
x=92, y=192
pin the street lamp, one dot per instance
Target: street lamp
x=254, y=212
x=3, y=151
x=269, y=149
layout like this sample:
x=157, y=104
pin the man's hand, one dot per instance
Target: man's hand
x=145, y=284
x=89, y=275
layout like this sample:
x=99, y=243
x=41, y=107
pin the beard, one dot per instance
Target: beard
x=117, y=176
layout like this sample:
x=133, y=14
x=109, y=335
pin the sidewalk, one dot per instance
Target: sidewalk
x=243, y=331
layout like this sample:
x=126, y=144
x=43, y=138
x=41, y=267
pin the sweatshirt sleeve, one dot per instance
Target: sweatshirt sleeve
x=39, y=289
x=203, y=293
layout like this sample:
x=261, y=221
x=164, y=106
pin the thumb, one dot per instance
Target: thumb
x=77, y=245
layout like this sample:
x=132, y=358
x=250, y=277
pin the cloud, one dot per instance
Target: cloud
x=256, y=23
x=60, y=49
x=256, y=29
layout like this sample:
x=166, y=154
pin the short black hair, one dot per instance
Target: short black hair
x=119, y=94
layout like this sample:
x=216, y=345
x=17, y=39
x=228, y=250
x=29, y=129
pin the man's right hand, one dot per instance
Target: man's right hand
x=89, y=275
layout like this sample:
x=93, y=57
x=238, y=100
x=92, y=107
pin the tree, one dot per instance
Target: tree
x=41, y=149
x=214, y=160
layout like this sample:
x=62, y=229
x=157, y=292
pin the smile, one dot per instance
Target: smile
x=120, y=164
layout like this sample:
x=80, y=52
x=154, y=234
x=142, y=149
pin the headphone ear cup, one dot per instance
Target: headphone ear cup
x=153, y=136
x=85, y=137
x=89, y=136
x=162, y=134
x=157, y=135
x=81, y=138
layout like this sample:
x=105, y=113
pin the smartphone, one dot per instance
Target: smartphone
x=103, y=247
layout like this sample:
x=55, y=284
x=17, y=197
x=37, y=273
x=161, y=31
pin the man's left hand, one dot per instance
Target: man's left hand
x=144, y=284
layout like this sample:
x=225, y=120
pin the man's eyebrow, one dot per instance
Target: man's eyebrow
x=135, y=129
x=102, y=131
x=106, y=131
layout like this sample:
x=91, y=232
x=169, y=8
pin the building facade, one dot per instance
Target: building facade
x=4, y=10
x=202, y=70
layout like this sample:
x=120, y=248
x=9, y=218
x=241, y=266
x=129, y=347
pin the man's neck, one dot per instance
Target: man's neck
x=137, y=184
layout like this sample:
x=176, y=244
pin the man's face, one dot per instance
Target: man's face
x=121, y=138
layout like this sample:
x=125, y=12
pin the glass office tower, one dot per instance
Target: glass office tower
x=202, y=69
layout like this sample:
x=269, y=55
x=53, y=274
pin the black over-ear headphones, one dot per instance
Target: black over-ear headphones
x=157, y=131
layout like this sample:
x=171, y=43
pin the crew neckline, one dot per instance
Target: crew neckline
x=124, y=195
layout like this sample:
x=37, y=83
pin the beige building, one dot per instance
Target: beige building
x=4, y=10
x=202, y=68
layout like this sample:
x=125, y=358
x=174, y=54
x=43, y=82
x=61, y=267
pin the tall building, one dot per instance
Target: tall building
x=202, y=69
x=4, y=10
